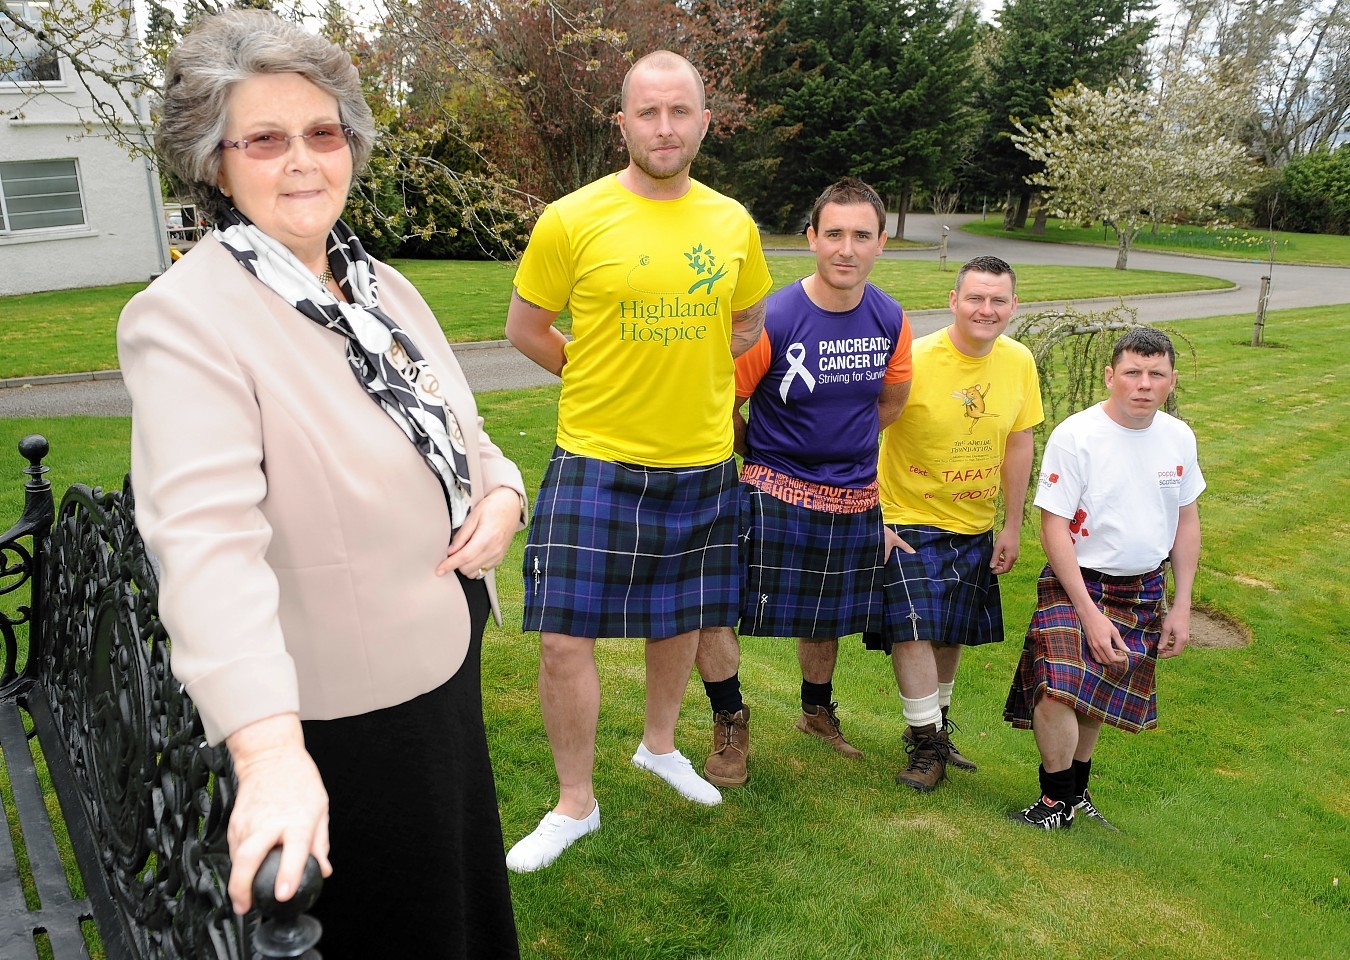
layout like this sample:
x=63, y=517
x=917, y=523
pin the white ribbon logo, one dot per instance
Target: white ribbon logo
x=795, y=355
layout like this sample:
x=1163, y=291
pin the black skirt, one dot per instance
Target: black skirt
x=416, y=840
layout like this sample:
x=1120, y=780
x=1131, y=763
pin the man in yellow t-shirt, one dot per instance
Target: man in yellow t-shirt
x=964, y=437
x=635, y=527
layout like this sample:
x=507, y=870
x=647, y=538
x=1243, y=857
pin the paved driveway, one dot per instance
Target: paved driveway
x=497, y=366
x=1291, y=286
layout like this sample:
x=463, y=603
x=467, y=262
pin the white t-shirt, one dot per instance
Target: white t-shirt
x=1120, y=489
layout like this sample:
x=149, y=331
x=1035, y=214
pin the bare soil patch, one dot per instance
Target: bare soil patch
x=1211, y=630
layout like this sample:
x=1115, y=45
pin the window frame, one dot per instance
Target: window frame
x=30, y=11
x=7, y=229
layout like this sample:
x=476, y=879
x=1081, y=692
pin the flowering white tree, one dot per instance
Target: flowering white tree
x=1133, y=157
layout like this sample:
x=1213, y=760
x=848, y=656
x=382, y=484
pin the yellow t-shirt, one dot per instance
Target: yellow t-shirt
x=651, y=285
x=941, y=462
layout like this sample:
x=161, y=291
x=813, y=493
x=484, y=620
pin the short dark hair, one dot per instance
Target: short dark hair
x=847, y=191
x=1146, y=342
x=986, y=265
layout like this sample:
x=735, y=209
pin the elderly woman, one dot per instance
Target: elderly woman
x=313, y=477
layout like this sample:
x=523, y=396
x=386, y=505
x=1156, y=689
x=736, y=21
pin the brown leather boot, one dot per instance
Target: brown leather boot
x=928, y=748
x=822, y=722
x=731, y=746
x=954, y=755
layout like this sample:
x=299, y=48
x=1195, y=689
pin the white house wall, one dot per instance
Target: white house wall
x=123, y=237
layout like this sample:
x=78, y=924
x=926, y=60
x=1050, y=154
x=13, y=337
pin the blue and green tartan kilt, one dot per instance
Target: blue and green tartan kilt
x=809, y=573
x=622, y=550
x=944, y=592
x=1056, y=661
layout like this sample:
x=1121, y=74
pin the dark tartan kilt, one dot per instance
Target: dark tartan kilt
x=621, y=550
x=943, y=593
x=1056, y=661
x=809, y=573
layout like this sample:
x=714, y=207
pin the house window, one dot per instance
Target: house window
x=37, y=194
x=24, y=58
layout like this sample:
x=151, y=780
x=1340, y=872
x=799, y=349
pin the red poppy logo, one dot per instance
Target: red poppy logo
x=1178, y=469
x=1054, y=477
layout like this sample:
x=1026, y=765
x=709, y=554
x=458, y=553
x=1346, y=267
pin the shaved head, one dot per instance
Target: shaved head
x=662, y=60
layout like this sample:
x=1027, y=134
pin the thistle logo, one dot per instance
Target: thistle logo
x=702, y=262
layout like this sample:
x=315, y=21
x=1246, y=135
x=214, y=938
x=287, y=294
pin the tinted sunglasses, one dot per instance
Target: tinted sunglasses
x=270, y=144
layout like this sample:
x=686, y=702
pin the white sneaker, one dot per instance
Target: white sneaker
x=676, y=770
x=555, y=833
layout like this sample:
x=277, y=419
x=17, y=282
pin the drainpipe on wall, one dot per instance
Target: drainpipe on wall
x=142, y=118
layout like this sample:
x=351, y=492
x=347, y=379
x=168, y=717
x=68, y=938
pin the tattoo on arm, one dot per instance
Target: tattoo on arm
x=516, y=294
x=746, y=327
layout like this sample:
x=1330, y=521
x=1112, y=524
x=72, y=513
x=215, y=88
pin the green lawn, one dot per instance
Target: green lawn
x=1237, y=243
x=72, y=331
x=1235, y=813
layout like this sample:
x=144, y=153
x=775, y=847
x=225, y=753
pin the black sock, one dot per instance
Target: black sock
x=1057, y=785
x=725, y=694
x=1082, y=769
x=816, y=694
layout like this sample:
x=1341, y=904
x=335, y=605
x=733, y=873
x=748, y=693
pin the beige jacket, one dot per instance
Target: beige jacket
x=296, y=527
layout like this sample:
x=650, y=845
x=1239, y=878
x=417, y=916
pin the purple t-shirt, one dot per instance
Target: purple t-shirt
x=813, y=414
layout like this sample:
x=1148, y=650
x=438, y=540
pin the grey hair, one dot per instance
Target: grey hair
x=223, y=50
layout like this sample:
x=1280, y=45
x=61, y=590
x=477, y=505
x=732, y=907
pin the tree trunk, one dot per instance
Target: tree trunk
x=1023, y=208
x=902, y=209
x=1042, y=215
x=1009, y=212
x=1123, y=247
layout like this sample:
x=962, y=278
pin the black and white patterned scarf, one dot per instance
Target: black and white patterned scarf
x=385, y=360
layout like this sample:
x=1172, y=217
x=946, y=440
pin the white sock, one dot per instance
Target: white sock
x=922, y=711
x=945, y=694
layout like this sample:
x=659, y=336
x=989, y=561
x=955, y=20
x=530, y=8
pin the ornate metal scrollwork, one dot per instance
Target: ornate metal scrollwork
x=21, y=567
x=16, y=570
x=156, y=795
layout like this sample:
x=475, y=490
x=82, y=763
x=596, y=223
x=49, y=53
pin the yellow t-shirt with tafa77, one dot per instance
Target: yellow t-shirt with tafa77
x=651, y=286
x=941, y=461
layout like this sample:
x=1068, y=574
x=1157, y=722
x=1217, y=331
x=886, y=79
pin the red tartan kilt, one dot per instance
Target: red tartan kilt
x=1056, y=661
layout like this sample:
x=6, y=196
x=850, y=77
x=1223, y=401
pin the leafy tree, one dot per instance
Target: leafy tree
x=1291, y=56
x=1042, y=46
x=1312, y=194
x=876, y=89
x=1133, y=157
x=554, y=72
x=428, y=190
x=426, y=187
